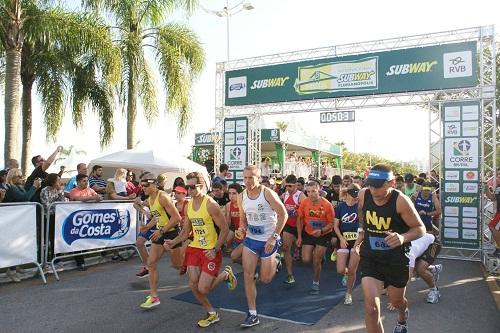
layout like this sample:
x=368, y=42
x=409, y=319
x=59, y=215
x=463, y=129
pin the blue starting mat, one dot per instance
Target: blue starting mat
x=279, y=301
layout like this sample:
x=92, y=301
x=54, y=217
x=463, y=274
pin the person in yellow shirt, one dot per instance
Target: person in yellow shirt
x=164, y=219
x=203, y=256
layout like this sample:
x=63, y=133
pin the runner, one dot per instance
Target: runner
x=262, y=216
x=180, y=193
x=427, y=205
x=232, y=211
x=389, y=222
x=346, y=227
x=165, y=219
x=292, y=199
x=203, y=255
x=314, y=229
x=410, y=188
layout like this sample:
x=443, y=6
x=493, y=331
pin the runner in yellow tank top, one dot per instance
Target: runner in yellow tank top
x=203, y=256
x=164, y=221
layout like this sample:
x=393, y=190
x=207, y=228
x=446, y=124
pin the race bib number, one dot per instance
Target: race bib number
x=256, y=229
x=350, y=236
x=317, y=224
x=291, y=213
x=378, y=244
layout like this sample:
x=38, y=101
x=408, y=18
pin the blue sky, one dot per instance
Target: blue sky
x=281, y=26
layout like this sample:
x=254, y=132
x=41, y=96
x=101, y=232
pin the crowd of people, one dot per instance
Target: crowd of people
x=384, y=227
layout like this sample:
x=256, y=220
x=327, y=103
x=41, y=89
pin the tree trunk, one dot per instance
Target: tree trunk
x=27, y=123
x=12, y=103
x=131, y=104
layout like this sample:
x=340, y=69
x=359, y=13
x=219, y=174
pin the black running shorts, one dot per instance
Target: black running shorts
x=392, y=275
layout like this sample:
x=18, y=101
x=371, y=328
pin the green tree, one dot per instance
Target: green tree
x=177, y=50
x=67, y=55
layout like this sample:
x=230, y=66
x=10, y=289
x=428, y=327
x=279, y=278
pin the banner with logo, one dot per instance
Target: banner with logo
x=18, y=237
x=86, y=226
x=414, y=69
x=236, y=147
x=460, y=190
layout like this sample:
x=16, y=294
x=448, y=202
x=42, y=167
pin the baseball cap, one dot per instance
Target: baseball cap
x=279, y=180
x=377, y=178
x=148, y=176
x=180, y=189
x=408, y=177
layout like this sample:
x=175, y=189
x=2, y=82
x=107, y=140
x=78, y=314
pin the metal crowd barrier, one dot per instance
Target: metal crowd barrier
x=37, y=262
x=69, y=254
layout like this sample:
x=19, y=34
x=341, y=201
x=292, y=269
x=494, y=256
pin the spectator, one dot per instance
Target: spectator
x=53, y=192
x=82, y=192
x=41, y=165
x=113, y=195
x=265, y=167
x=12, y=164
x=120, y=183
x=96, y=182
x=81, y=168
x=3, y=184
x=132, y=185
x=16, y=193
x=223, y=173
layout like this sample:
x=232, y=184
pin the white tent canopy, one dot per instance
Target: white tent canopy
x=139, y=161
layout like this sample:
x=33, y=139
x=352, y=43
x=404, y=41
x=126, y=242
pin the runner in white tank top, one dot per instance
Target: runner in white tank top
x=262, y=217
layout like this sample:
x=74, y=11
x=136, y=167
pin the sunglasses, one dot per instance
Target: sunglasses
x=192, y=187
x=148, y=182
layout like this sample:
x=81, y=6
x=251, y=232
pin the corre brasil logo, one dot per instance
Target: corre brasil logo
x=96, y=224
x=461, y=148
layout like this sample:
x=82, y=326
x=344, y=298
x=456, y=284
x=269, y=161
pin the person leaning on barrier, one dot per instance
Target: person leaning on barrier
x=112, y=195
x=16, y=191
x=82, y=192
x=50, y=194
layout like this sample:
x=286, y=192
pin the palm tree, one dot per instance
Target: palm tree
x=67, y=54
x=177, y=50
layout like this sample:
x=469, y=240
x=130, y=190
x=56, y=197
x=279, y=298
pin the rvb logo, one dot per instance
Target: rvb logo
x=457, y=64
x=96, y=224
x=237, y=87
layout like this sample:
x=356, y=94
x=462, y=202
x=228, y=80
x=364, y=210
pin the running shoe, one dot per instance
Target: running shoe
x=347, y=299
x=256, y=277
x=333, y=257
x=296, y=254
x=289, y=280
x=211, y=319
x=142, y=273
x=250, y=320
x=436, y=270
x=150, y=302
x=12, y=274
x=401, y=328
x=231, y=279
x=433, y=296
x=344, y=280
x=278, y=262
x=314, y=289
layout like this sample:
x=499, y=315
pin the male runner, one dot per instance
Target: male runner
x=292, y=199
x=165, y=218
x=389, y=222
x=232, y=210
x=262, y=217
x=203, y=256
x=314, y=229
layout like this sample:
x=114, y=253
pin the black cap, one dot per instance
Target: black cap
x=409, y=177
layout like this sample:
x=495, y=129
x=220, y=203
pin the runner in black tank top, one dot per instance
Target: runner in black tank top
x=389, y=223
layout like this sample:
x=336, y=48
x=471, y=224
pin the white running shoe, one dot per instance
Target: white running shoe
x=433, y=296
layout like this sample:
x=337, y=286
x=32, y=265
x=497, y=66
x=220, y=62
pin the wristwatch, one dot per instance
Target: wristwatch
x=276, y=235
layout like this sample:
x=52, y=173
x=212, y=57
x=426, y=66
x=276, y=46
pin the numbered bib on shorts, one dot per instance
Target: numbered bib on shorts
x=378, y=244
x=256, y=229
x=317, y=224
x=350, y=236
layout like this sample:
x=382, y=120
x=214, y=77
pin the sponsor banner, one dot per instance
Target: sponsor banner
x=414, y=69
x=18, y=239
x=203, y=139
x=235, y=146
x=270, y=135
x=86, y=226
x=461, y=196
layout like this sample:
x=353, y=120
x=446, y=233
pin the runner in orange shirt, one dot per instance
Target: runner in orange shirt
x=314, y=229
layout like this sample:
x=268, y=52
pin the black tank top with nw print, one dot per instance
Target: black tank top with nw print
x=377, y=221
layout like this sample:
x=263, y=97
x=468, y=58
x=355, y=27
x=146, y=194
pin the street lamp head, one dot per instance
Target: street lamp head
x=248, y=6
x=220, y=13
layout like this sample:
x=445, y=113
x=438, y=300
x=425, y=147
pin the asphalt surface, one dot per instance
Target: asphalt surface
x=106, y=298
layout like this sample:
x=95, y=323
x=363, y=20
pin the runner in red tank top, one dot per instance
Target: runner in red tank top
x=181, y=202
x=292, y=199
x=234, y=242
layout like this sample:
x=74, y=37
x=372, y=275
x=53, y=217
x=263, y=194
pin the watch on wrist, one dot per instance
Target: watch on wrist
x=276, y=235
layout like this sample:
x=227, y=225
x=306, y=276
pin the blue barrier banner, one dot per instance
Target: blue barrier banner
x=86, y=226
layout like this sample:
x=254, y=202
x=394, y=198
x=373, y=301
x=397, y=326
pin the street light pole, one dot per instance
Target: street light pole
x=227, y=29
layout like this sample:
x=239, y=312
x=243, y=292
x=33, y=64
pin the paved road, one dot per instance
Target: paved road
x=105, y=298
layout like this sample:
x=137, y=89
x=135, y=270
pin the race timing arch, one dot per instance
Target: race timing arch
x=450, y=74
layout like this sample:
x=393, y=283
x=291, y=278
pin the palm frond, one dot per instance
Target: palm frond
x=147, y=90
